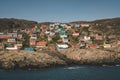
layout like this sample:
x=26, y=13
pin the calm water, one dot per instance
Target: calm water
x=64, y=73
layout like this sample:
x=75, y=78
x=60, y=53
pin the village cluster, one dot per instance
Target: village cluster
x=55, y=36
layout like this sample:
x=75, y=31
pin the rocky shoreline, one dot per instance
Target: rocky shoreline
x=44, y=59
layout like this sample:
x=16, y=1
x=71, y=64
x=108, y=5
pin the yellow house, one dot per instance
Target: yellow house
x=107, y=45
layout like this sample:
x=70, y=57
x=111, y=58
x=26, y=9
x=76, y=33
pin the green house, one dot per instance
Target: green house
x=62, y=35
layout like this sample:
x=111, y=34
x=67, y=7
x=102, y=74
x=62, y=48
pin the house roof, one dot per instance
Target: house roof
x=93, y=46
x=18, y=45
x=62, y=45
x=4, y=37
x=75, y=33
x=118, y=42
x=41, y=43
x=75, y=46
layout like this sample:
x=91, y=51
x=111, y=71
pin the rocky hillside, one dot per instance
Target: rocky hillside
x=8, y=24
x=38, y=60
x=13, y=24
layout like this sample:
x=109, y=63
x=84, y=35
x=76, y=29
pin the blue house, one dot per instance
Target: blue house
x=29, y=49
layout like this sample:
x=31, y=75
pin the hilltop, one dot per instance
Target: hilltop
x=12, y=23
x=7, y=24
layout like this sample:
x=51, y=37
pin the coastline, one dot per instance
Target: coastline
x=46, y=59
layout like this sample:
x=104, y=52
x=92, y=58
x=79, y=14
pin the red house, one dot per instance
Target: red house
x=75, y=46
x=93, y=46
x=41, y=44
x=75, y=34
x=98, y=37
x=118, y=42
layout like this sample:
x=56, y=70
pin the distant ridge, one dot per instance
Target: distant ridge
x=12, y=23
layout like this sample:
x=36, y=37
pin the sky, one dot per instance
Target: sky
x=59, y=10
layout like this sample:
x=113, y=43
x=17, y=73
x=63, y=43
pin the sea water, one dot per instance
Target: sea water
x=64, y=73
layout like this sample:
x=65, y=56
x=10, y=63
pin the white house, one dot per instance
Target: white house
x=65, y=39
x=62, y=46
x=75, y=34
x=12, y=48
x=52, y=25
x=77, y=25
x=11, y=40
x=86, y=38
x=47, y=32
x=33, y=37
x=85, y=25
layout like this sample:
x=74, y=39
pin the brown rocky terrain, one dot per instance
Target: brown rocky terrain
x=94, y=56
x=38, y=60
x=23, y=60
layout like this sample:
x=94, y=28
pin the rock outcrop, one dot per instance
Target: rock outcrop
x=38, y=60
x=93, y=56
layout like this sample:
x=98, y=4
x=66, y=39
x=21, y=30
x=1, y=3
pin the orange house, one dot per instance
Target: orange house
x=4, y=37
x=41, y=44
x=75, y=46
x=93, y=46
x=52, y=48
x=32, y=42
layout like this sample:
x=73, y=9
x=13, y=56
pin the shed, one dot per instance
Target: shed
x=29, y=49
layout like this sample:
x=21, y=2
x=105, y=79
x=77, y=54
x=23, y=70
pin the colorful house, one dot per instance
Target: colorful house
x=1, y=46
x=32, y=42
x=75, y=34
x=82, y=44
x=84, y=25
x=62, y=35
x=33, y=37
x=13, y=35
x=65, y=39
x=77, y=25
x=19, y=36
x=118, y=42
x=62, y=46
x=98, y=37
x=47, y=32
x=41, y=44
x=60, y=28
x=86, y=38
x=52, y=49
x=107, y=45
x=12, y=48
x=11, y=40
x=93, y=46
x=4, y=37
x=57, y=23
x=75, y=46
x=68, y=26
x=43, y=29
x=18, y=45
x=52, y=33
x=29, y=49
x=52, y=25
x=42, y=34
